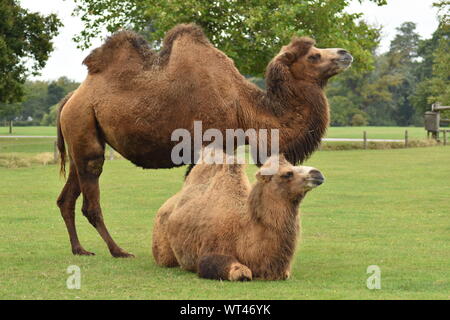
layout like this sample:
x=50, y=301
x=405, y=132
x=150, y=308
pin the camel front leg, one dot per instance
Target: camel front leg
x=223, y=267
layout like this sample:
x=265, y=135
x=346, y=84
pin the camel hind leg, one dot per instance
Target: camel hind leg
x=88, y=156
x=223, y=267
x=66, y=203
x=89, y=171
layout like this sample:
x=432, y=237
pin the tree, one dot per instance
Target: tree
x=25, y=45
x=405, y=43
x=49, y=119
x=342, y=110
x=34, y=102
x=404, y=50
x=54, y=93
x=440, y=80
x=381, y=95
x=8, y=112
x=358, y=120
x=433, y=72
x=251, y=32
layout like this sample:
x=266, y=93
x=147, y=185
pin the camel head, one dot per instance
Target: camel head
x=286, y=180
x=306, y=62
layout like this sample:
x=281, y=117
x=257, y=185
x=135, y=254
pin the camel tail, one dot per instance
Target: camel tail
x=60, y=138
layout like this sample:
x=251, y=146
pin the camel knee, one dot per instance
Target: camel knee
x=60, y=202
x=94, y=167
x=94, y=216
x=66, y=202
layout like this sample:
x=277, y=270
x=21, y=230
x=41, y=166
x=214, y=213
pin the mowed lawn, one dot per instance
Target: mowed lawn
x=29, y=131
x=416, y=133
x=388, y=208
x=333, y=132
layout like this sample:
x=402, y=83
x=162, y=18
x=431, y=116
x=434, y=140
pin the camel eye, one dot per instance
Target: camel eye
x=288, y=175
x=314, y=57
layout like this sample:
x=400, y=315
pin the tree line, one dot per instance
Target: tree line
x=403, y=83
x=39, y=102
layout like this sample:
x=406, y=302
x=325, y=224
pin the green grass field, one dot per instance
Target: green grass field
x=378, y=207
x=377, y=132
x=333, y=132
x=29, y=131
x=27, y=145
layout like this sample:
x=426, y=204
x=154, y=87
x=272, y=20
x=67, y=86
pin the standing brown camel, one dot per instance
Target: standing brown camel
x=134, y=98
x=221, y=228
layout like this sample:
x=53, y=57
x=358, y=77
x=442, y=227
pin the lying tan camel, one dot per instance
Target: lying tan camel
x=222, y=228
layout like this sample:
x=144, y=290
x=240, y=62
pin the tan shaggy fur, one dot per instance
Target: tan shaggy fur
x=222, y=228
x=134, y=98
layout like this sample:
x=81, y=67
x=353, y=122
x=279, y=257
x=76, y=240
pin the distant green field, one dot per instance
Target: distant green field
x=29, y=131
x=377, y=132
x=388, y=208
x=333, y=132
x=26, y=145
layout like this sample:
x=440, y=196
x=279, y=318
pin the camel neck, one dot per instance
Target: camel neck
x=299, y=110
x=270, y=210
x=272, y=223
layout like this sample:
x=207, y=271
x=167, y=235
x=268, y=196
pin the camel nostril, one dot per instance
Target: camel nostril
x=344, y=56
x=317, y=177
x=318, y=182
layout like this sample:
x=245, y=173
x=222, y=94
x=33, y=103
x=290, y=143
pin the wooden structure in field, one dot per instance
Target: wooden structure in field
x=433, y=121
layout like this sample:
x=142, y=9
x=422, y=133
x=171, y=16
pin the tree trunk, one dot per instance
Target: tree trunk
x=10, y=126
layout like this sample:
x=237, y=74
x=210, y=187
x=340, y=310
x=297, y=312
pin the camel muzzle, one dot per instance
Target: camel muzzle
x=345, y=58
x=316, y=178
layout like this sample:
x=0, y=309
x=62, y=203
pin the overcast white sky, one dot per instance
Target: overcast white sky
x=66, y=58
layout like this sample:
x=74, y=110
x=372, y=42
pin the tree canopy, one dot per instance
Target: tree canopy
x=25, y=45
x=251, y=31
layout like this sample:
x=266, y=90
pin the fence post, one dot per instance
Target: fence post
x=406, y=138
x=365, y=139
x=445, y=137
x=55, y=151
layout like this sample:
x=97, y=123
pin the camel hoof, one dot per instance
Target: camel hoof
x=82, y=252
x=122, y=254
x=239, y=272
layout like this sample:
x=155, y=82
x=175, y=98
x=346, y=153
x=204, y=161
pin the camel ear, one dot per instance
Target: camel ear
x=264, y=178
x=302, y=45
x=288, y=57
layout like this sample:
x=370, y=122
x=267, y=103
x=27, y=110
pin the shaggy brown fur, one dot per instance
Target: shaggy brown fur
x=134, y=98
x=222, y=228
